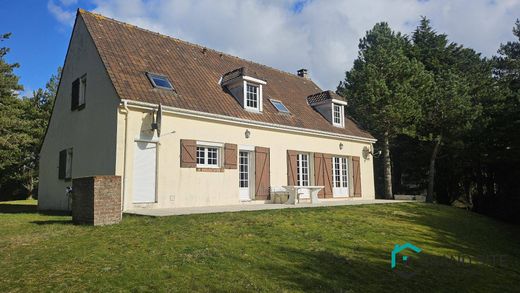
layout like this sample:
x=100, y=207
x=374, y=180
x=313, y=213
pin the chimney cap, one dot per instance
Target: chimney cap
x=303, y=73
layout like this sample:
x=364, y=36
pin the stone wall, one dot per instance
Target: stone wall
x=96, y=200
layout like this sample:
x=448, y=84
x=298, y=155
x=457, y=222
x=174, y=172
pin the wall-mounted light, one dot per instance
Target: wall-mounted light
x=248, y=133
x=366, y=152
x=340, y=145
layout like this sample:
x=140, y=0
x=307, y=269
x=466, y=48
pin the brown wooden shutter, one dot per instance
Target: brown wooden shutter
x=74, y=103
x=323, y=174
x=356, y=176
x=291, y=167
x=262, y=173
x=327, y=175
x=188, y=153
x=62, y=166
x=319, y=165
x=230, y=156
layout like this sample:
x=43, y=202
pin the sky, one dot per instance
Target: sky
x=322, y=36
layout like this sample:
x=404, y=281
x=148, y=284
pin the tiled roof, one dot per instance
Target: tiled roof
x=128, y=52
x=242, y=71
x=323, y=96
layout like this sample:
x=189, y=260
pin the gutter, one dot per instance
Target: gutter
x=244, y=122
x=127, y=111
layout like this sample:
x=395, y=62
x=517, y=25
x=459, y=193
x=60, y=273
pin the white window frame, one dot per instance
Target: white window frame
x=82, y=91
x=206, y=146
x=259, y=97
x=343, y=172
x=341, y=113
x=300, y=169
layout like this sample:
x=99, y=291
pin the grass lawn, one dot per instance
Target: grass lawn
x=334, y=249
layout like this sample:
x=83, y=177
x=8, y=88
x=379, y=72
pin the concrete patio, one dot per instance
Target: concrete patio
x=252, y=207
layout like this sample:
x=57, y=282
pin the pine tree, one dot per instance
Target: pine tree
x=384, y=88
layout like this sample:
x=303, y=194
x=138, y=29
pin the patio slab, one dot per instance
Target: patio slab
x=162, y=212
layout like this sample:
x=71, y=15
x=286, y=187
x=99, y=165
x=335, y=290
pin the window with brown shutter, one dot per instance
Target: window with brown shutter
x=262, y=173
x=291, y=167
x=230, y=156
x=323, y=174
x=356, y=176
x=188, y=153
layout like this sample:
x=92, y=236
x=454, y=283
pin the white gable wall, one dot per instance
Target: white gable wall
x=91, y=132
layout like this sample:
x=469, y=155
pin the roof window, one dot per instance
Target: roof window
x=279, y=106
x=159, y=81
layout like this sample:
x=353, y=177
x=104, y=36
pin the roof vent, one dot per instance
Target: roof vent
x=303, y=73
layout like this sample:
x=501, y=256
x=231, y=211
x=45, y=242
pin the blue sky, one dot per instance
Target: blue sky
x=287, y=34
x=38, y=41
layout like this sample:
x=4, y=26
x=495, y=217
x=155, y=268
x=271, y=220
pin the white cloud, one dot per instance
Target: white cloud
x=322, y=37
x=62, y=14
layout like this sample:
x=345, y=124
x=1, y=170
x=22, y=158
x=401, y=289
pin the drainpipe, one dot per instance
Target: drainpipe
x=125, y=106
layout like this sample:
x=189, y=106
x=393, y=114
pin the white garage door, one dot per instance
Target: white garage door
x=144, y=172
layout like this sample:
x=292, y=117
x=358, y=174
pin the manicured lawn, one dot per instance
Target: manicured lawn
x=336, y=249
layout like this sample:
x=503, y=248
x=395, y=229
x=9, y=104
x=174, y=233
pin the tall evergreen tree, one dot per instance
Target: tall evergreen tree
x=11, y=117
x=449, y=108
x=383, y=89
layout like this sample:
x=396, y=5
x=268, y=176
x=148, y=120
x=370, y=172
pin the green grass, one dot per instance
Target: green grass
x=336, y=249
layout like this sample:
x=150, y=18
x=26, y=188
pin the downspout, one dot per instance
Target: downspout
x=125, y=106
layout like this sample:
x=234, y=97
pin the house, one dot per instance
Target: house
x=231, y=131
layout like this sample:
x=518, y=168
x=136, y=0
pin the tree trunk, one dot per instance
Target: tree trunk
x=387, y=166
x=431, y=175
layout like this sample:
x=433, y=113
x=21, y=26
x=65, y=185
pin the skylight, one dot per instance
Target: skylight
x=279, y=106
x=159, y=81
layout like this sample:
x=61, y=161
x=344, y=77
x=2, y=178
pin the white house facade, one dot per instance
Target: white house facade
x=188, y=126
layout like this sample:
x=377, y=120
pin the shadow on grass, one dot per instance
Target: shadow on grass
x=18, y=208
x=53, y=222
x=29, y=209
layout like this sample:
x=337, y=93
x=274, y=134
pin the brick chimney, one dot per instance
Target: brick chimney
x=303, y=73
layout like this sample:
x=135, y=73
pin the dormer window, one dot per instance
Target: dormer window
x=330, y=105
x=337, y=115
x=252, y=96
x=246, y=88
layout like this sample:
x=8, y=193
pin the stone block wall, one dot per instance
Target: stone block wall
x=96, y=200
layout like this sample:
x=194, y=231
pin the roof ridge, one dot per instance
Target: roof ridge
x=97, y=15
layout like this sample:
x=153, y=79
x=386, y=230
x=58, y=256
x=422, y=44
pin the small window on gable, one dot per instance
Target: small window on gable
x=279, y=106
x=338, y=115
x=65, y=164
x=252, y=96
x=79, y=93
x=159, y=81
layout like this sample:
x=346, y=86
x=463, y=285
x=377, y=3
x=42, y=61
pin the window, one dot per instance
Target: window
x=279, y=106
x=340, y=172
x=252, y=94
x=337, y=115
x=79, y=93
x=244, y=169
x=65, y=164
x=160, y=81
x=208, y=156
x=302, y=169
